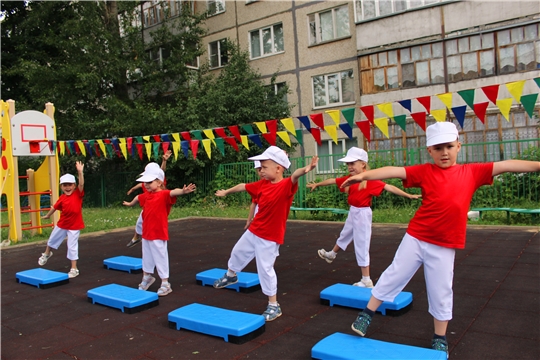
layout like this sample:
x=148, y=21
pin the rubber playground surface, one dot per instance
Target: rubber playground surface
x=496, y=297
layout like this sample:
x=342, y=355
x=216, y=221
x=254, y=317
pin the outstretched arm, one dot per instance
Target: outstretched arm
x=251, y=214
x=164, y=159
x=138, y=186
x=313, y=185
x=515, y=166
x=80, y=168
x=234, y=189
x=183, y=191
x=48, y=215
x=303, y=171
x=397, y=191
x=132, y=202
x=387, y=172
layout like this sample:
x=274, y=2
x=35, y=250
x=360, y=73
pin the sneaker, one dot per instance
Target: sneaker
x=441, y=345
x=164, y=289
x=73, y=273
x=225, y=281
x=146, y=282
x=364, y=283
x=43, y=258
x=325, y=255
x=134, y=241
x=361, y=324
x=272, y=312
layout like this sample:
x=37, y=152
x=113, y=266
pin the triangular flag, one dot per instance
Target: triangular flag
x=248, y=128
x=407, y=104
x=271, y=125
x=165, y=146
x=207, y=145
x=220, y=132
x=288, y=123
x=285, y=137
x=231, y=140
x=157, y=138
x=348, y=114
x=235, y=131
x=148, y=148
x=210, y=135
x=387, y=109
x=492, y=92
x=185, y=148
x=369, y=111
x=420, y=119
x=146, y=138
x=62, y=145
x=426, y=102
x=270, y=137
x=382, y=125
x=401, y=120
x=261, y=126
x=347, y=129
x=528, y=102
x=194, y=147
x=459, y=113
x=82, y=147
x=468, y=97
x=332, y=132
x=504, y=106
x=446, y=99
x=244, y=141
x=537, y=81
x=316, y=133
x=155, y=149
x=516, y=89
x=300, y=137
x=220, y=145
x=123, y=147
x=176, y=147
x=439, y=114
x=334, y=114
x=318, y=119
x=186, y=135
x=102, y=147
x=139, y=151
x=305, y=120
x=256, y=138
x=364, y=126
x=480, y=110
x=197, y=134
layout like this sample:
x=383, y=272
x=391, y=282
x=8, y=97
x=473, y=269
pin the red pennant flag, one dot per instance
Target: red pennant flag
x=420, y=119
x=96, y=149
x=157, y=138
x=426, y=102
x=480, y=110
x=140, y=150
x=165, y=146
x=369, y=112
x=270, y=137
x=186, y=135
x=51, y=146
x=76, y=146
x=194, y=147
x=220, y=132
x=492, y=92
x=364, y=126
x=107, y=141
x=272, y=126
x=316, y=132
x=231, y=141
x=318, y=120
x=129, y=143
x=236, y=132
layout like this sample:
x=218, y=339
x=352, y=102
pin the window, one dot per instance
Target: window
x=326, y=152
x=329, y=25
x=215, y=6
x=266, y=41
x=218, y=53
x=154, y=12
x=519, y=49
x=159, y=55
x=470, y=57
x=277, y=87
x=369, y=9
x=333, y=89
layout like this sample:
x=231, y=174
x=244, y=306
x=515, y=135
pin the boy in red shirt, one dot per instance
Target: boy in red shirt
x=265, y=234
x=156, y=203
x=357, y=227
x=438, y=226
x=71, y=220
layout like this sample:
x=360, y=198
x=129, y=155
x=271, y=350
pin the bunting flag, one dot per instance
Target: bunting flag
x=365, y=129
x=81, y=147
x=210, y=135
x=157, y=138
x=248, y=128
x=155, y=149
x=272, y=126
x=220, y=132
x=196, y=134
x=244, y=141
x=256, y=138
x=369, y=111
x=62, y=147
x=220, y=145
x=300, y=137
x=176, y=137
x=439, y=115
x=446, y=100
x=185, y=148
x=194, y=147
x=387, y=109
x=165, y=146
x=334, y=114
x=316, y=133
x=332, y=132
x=528, y=102
x=305, y=121
x=480, y=110
x=348, y=114
x=426, y=102
x=231, y=140
x=288, y=123
x=146, y=138
x=139, y=151
x=285, y=137
x=318, y=119
x=504, y=106
x=347, y=129
x=148, y=148
x=492, y=92
x=537, y=81
x=236, y=132
x=401, y=120
x=407, y=104
x=123, y=147
x=420, y=119
x=459, y=113
x=382, y=125
x=102, y=147
x=468, y=97
x=270, y=137
x=261, y=125
x=516, y=89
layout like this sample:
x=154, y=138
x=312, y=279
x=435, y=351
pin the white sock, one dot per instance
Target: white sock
x=230, y=273
x=273, y=303
x=332, y=253
x=366, y=278
x=147, y=277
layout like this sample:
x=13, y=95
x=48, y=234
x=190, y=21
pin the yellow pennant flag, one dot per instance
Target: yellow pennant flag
x=289, y=125
x=146, y=138
x=207, y=147
x=210, y=134
x=62, y=145
x=332, y=131
x=382, y=124
x=261, y=125
x=439, y=114
x=387, y=109
x=102, y=147
x=176, y=137
x=245, y=141
x=123, y=147
x=334, y=114
x=148, y=147
x=516, y=89
x=285, y=137
x=446, y=99
x=176, y=148
x=504, y=106
x=81, y=147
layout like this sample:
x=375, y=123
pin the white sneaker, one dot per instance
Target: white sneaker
x=73, y=273
x=325, y=255
x=43, y=258
x=364, y=283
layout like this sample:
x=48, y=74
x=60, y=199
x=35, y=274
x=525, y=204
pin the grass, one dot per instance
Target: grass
x=107, y=219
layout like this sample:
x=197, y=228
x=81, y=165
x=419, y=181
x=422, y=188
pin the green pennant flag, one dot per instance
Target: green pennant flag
x=401, y=120
x=528, y=102
x=197, y=134
x=248, y=128
x=139, y=139
x=155, y=150
x=537, y=81
x=220, y=145
x=300, y=137
x=348, y=114
x=109, y=150
x=468, y=96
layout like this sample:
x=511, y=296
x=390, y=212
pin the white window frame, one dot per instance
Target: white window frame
x=328, y=144
x=159, y=59
x=328, y=104
x=317, y=18
x=261, y=45
x=360, y=17
x=219, y=54
x=219, y=6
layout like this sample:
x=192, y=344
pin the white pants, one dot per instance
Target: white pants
x=438, y=264
x=250, y=246
x=138, y=225
x=358, y=228
x=155, y=255
x=57, y=237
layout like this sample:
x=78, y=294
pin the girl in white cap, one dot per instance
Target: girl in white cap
x=357, y=227
x=70, y=223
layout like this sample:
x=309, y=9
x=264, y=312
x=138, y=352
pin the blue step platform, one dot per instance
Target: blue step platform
x=340, y=346
x=42, y=278
x=358, y=297
x=127, y=299
x=247, y=282
x=124, y=263
x=233, y=326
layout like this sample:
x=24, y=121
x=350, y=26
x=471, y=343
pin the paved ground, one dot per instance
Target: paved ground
x=496, y=297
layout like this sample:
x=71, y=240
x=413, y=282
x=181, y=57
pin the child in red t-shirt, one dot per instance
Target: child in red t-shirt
x=438, y=226
x=357, y=227
x=71, y=220
x=265, y=234
x=156, y=203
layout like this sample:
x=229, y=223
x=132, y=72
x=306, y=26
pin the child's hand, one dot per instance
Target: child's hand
x=221, y=193
x=312, y=185
x=352, y=180
x=80, y=166
x=129, y=191
x=414, y=197
x=126, y=203
x=248, y=222
x=314, y=161
x=44, y=217
x=167, y=155
x=189, y=189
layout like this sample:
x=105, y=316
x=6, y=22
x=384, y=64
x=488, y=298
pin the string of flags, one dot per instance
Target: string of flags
x=379, y=115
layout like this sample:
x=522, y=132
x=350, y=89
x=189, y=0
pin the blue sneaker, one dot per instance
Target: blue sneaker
x=272, y=312
x=225, y=281
x=441, y=345
x=361, y=324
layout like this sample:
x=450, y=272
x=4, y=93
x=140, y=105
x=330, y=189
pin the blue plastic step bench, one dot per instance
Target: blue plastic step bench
x=233, y=326
x=357, y=297
x=124, y=263
x=340, y=346
x=127, y=299
x=42, y=278
x=247, y=282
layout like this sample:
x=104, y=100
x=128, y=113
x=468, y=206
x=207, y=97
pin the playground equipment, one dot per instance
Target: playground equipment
x=28, y=133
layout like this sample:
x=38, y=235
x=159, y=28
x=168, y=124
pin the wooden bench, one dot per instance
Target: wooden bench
x=533, y=212
x=334, y=211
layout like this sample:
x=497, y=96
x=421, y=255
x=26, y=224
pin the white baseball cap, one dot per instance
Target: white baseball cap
x=152, y=173
x=274, y=153
x=150, y=166
x=440, y=133
x=67, y=179
x=257, y=164
x=355, y=154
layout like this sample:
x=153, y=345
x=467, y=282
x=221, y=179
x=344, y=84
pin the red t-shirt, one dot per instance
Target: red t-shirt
x=446, y=197
x=157, y=206
x=274, y=201
x=71, y=208
x=361, y=198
